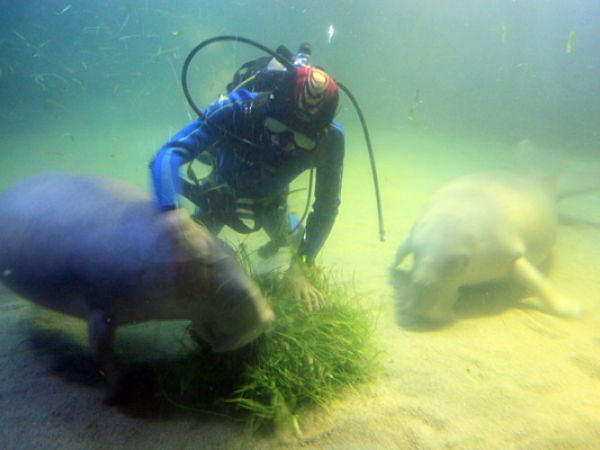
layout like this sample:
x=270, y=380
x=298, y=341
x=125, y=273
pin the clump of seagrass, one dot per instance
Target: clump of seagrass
x=304, y=360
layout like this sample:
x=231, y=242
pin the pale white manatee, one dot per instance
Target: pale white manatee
x=99, y=249
x=479, y=228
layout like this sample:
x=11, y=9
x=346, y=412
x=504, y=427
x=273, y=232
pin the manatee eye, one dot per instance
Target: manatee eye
x=203, y=332
x=217, y=337
x=454, y=264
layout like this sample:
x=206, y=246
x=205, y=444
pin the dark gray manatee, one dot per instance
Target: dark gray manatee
x=475, y=229
x=98, y=248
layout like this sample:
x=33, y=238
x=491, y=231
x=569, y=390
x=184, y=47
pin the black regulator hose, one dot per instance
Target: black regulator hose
x=363, y=122
x=289, y=66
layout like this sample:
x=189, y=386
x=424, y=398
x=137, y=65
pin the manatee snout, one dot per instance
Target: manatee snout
x=239, y=312
x=426, y=292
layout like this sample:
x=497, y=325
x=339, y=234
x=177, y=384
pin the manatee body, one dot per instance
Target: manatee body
x=475, y=229
x=99, y=249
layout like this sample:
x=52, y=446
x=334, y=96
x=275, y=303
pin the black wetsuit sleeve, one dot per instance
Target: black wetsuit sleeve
x=328, y=189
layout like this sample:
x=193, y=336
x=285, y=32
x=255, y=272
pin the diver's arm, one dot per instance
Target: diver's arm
x=327, y=196
x=320, y=221
x=220, y=118
x=164, y=167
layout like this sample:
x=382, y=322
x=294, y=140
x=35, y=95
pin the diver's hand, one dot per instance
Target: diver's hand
x=303, y=291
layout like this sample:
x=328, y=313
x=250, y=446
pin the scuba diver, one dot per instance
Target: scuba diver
x=273, y=124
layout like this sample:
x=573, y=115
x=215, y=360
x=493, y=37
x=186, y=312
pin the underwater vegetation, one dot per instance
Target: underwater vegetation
x=304, y=361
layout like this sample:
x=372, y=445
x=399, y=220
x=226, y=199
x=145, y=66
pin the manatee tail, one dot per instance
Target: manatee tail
x=572, y=191
x=561, y=178
x=570, y=219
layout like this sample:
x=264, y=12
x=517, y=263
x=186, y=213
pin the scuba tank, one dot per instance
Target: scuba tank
x=265, y=73
x=259, y=74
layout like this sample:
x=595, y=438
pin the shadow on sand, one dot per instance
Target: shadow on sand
x=193, y=384
x=486, y=299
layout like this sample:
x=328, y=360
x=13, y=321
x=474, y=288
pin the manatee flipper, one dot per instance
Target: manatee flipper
x=403, y=251
x=100, y=336
x=536, y=281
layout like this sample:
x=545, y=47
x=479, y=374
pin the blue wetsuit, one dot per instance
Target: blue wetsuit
x=245, y=158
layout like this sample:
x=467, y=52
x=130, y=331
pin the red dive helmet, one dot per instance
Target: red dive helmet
x=306, y=101
x=315, y=96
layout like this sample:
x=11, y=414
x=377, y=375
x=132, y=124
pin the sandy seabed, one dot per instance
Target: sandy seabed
x=501, y=376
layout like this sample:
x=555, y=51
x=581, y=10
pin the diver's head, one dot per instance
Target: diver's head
x=303, y=106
